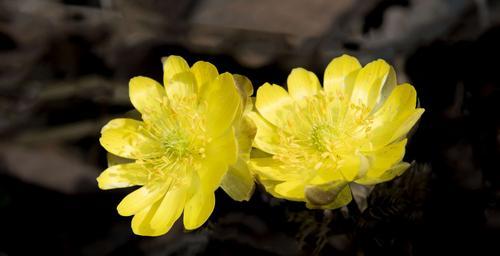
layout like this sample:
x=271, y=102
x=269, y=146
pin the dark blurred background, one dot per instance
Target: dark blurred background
x=64, y=70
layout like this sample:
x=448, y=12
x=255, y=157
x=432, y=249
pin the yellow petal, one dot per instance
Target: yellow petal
x=266, y=138
x=124, y=137
x=211, y=173
x=353, y=166
x=123, y=175
x=204, y=72
x=141, y=221
x=395, y=118
x=337, y=71
x=173, y=65
x=146, y=94
x=292, y=190
x=400, y=102
x=302, y=83
x=225, y=148
x=387, y=88
x=387, y=175
x=349, y=82
x=238, y=182
x=245, y=134
x=222, y=103
x=245, y=89
x=369, y=82
x=198, y=209
x=273, y=103
x=382, y=159
x=396, y=170
x=343, y=198
x=170, y=209
x=141, y=198
x=394, y=130
x=385, y=164
x=269, y=168
x=219, y=154
x=407, y=124
x=244, y=85
x=326, y=175
x=181, y=85
x=323, y=196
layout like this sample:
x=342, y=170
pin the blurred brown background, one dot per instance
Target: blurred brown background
x=64, y=70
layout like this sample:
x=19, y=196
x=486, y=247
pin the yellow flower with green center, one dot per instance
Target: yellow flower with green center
x=191, y=140
x=315, y=140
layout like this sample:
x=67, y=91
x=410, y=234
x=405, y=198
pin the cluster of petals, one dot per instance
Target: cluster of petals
x=316, y=140
x=200, y=131
x=191, y=139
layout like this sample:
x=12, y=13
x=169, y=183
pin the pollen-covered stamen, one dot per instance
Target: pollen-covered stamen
x=176, y=144
x=179, y=128
x=174, y=171
x=319, y=136
x=322, y=130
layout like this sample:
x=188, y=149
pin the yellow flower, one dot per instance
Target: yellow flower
x=317, y=140
x=182, y=149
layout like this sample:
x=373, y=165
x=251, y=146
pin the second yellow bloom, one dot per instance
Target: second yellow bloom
x=319, y=139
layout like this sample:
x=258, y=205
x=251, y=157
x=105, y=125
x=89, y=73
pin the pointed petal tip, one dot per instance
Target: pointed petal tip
x=346, y=56
x=171, y=57
x=226, y=75
x=302, y=83
x=198, y=209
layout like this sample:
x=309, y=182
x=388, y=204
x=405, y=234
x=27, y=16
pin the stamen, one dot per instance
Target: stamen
x=179, y=128
x=319, y=131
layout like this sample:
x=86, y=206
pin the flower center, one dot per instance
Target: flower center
x=180, y=130
x=321, y=130
x=321, y=135
x=176, y=144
